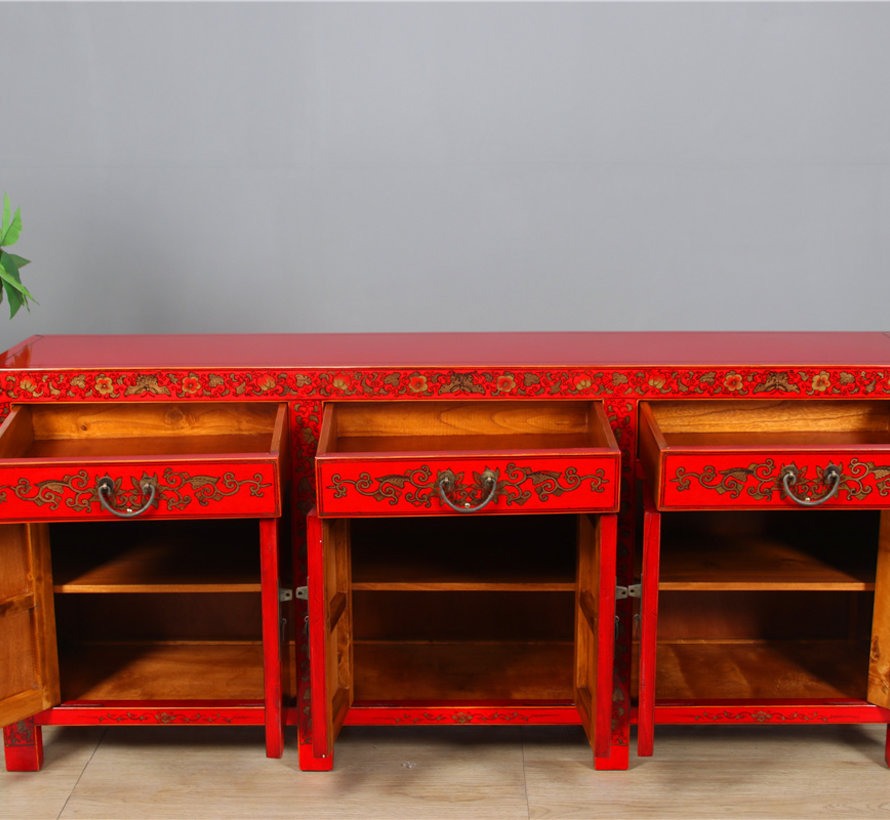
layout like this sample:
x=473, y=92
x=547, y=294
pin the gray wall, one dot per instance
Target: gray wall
x=330, y=167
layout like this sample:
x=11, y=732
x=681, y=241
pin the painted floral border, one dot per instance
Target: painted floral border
x=443, y=384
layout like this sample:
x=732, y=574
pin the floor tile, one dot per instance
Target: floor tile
x=708, y=772
x=202, y=772
x=42, y=795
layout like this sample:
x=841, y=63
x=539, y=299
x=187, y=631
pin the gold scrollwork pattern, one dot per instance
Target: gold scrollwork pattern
x=515, y=485
x=760, y=480
x=176, y=490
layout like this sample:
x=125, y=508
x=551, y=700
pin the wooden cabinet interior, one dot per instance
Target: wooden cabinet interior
x=160, y=609
x=458, y=609
x=761, y=605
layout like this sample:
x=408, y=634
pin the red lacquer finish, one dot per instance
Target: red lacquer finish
x=648, y=626
x=184, y=489
x=525, y=484
x=321, y=757
x=23, y=746
x=306, y=370
x=158, y=713
x=272, y=636
x=798, y=712
x=463, y=714
x=752, y=479
x=604, y=758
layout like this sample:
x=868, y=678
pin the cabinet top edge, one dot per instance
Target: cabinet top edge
x=539, y=349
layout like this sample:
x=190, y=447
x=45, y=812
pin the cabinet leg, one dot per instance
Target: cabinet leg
x=310, y=763
x=23, y=744
x=887, y=747
x=616, y=760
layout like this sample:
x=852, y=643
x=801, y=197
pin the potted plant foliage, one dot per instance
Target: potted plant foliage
x=11, y=264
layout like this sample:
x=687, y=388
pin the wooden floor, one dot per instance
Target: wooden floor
x=454, y=772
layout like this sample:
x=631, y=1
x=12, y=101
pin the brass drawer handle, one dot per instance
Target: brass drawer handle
x=831, y=477
x=105, y=491
x=446, y=485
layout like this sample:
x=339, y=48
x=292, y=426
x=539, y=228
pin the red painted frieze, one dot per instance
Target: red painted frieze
x=430, y=384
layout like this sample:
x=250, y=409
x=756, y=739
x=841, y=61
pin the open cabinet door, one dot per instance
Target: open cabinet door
x=879, y=658
x=330, y=633
x=29, y=664
x=595, y=636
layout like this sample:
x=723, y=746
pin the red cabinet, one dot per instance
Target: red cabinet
x=462, y=567
x=766, y=563
x=125, y=597
x=478, y=541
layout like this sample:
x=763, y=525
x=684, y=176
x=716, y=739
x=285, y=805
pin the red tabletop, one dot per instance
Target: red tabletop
x=452, y=350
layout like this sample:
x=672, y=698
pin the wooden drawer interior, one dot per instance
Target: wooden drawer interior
x=98, y=430
x=376, y=427
x=755, y=423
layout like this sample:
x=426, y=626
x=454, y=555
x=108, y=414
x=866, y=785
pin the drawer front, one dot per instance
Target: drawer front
x=756, y=479
x=187, y=489
x=476, y=485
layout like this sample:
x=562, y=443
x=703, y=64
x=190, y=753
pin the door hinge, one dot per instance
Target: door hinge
x=302, y=593
x=632, y=591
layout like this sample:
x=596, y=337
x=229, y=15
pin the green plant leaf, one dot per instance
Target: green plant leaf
x=16, y=292
x=12, y=233
x=7, y=214
x=20, y=261
x=12, y=284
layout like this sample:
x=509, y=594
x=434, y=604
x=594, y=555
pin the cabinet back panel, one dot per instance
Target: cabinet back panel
x=117, y=617
x=447, y=616
x=763, y=615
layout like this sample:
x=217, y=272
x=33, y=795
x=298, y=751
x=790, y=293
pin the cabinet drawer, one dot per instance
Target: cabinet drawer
x=449, y=458
x=77, y=461
x=753, y=454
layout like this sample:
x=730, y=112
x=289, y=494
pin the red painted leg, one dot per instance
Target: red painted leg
x=310, y=763
x=616, y=760
x=648, y=625
x=23, y=743
x=271, y=607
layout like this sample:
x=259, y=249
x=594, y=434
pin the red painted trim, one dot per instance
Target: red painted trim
x=605, y=639
x=488, y=714
x=648, y=623
x=154, y=713
x=271, y=617
x=322, y=745
x=774, y=712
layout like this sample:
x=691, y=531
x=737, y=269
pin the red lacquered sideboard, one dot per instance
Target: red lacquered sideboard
x=348, y=529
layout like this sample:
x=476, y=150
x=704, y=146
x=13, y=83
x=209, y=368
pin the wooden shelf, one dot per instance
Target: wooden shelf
x=759, y=565
x=507, y=554
x=768, y=551
x=462, y=670
x=162, y=671
x=156, y=557
x=716, y=670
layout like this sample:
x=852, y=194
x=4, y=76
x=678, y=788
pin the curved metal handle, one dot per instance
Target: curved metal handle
x=831, y=477
x=105, y=487
x=446, y=485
